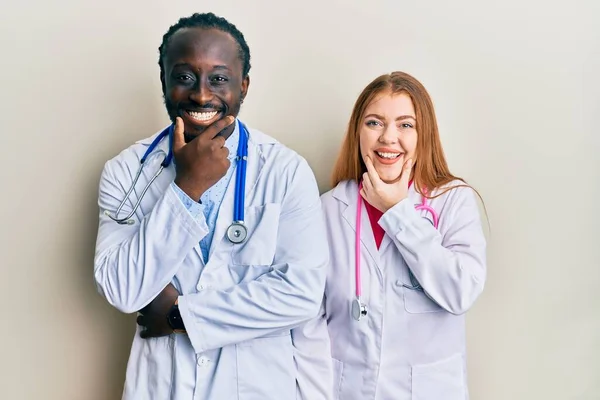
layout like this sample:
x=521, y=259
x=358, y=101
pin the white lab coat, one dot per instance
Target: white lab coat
x=411, y=345
x=250, y=311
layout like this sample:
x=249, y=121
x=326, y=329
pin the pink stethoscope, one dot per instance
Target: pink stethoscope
x=359, y=309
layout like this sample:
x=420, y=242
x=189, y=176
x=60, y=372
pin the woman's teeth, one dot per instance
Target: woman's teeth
x=389, y=156
x=202, y=116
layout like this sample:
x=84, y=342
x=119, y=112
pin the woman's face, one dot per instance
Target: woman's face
x=388, y=134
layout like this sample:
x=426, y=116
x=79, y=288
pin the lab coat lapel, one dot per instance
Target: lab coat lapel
x=225, y=218
x=168, y=175
x=350, y=197
x=387, y=240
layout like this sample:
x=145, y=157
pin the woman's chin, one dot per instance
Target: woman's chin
x=390, y=181
x=386, y=177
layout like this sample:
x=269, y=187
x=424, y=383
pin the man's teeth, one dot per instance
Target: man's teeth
x=388, y=155
x=202, y=116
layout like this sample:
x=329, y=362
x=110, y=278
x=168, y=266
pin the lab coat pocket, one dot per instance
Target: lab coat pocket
x=443, y=379
x=266, y=369
x=417, y=302
x=259, y=248
x=338, y=373
x=153, y=357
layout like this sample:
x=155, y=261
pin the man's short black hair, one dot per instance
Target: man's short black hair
x=208, y=21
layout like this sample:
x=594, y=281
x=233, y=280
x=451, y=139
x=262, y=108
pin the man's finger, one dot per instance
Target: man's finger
x=178, y=136
x=218, y=143
x=212, y=131
x=405, y=175
x=140, y=320
x=371, y=171
x=144, y=334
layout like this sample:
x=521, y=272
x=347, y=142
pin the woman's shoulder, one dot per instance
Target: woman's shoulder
x=342, y=192
x=455, y=188
x=456, y=196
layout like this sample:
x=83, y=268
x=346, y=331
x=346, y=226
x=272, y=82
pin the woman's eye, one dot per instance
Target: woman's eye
x=373, y=123
x=407, y=125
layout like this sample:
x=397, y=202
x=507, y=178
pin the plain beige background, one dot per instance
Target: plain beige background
x=517, y=90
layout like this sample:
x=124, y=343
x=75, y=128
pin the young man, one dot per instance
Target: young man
x=229, y=300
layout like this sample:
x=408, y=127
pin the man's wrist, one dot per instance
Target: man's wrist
x=174, y=319
x=194, y=193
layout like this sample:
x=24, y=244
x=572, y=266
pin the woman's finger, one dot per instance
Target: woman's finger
x=373, y=175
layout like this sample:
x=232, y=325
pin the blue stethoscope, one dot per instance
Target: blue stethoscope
x=237, y=231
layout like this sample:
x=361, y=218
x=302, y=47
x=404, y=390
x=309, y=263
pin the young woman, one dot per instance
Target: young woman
x=407, y=252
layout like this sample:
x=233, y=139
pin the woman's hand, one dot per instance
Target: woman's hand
x=381, y=195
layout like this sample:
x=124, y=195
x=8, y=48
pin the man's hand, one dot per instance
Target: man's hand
x=202, y=162
x=381, y=195
x=154, y=315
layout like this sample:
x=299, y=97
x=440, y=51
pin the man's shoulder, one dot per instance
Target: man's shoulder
x=131, y=155
x=273, y=151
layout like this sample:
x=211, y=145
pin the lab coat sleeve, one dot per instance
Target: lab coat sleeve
x=449, y=262
x=312, y=356
x=133, y=263
x=281, y=299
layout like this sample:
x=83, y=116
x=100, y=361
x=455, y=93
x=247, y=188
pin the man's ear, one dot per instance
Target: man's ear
x=245, y=85
x=162, y=83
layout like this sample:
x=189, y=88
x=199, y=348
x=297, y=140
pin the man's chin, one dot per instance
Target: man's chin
x=193, y=131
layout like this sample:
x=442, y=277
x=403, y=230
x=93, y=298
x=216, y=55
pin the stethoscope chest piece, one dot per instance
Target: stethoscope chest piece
x=237, y=232
x=359, y=310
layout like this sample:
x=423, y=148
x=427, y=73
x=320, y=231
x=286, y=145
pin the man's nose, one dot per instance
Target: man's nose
x=201, y=93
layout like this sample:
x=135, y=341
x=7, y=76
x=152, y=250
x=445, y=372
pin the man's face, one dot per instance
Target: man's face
x=202, y=79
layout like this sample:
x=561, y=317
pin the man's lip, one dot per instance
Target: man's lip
x=202, y=109
x=187, y=117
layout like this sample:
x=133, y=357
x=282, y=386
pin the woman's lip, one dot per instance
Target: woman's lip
x=388, y=161
x=387, y=150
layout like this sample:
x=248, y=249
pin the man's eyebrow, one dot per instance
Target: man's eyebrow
x=217, y=67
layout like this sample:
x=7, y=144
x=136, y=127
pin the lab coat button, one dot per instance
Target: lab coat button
x=203, y=361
